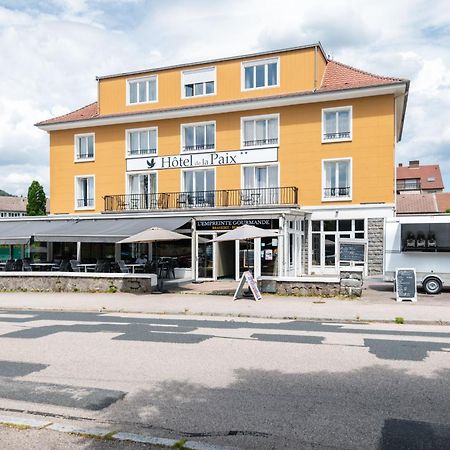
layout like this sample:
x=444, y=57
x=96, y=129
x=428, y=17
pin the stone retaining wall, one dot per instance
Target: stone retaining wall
x=77, y=283
x=349, y=284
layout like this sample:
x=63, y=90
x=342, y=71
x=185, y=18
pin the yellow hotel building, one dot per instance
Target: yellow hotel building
x=285, y=139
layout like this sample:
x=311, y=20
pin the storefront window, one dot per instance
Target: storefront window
x=64, y=250
x=330, y=250
x=269, y=256
x=180, y=251
x=38, y=252
x=92, y=252
x=316, y=249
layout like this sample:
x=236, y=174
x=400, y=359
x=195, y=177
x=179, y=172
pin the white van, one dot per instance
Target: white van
x=421, y=242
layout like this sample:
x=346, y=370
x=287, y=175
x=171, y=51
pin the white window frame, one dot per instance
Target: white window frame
x=147, y=78
x=183, y=84
x=194, y=124
x=337, y=109
x=254, y=166
x=75, y=141
x=260, y=62
x=84, y=208
x=260, y=117
x=128, y=131
x=342, y=198
x=140, y=172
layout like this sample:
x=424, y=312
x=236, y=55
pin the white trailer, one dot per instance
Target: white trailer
x=421, y=242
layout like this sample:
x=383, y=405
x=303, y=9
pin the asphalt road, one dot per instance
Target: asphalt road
x=251, y=384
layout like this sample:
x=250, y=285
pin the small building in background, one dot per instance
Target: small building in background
x=417, y=179
x=436, y=202
x=13, y=206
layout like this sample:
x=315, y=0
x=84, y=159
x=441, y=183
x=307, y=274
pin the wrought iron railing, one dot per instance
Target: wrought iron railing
x=189, y=148
x=408, y=185
x=256, y=142
x=336, y=192
x=142, y=151
x=203, y=199
x=340, y=135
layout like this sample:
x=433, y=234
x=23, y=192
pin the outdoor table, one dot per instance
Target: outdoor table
x=42, y=265
x=133, y=266
x=85, y=267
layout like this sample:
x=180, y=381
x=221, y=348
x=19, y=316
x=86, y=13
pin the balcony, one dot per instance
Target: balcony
x=202, y=199
x=412, y=184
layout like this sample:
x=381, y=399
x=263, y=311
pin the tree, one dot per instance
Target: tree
x=37, y=200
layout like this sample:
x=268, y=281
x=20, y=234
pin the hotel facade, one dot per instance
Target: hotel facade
x=287, y=140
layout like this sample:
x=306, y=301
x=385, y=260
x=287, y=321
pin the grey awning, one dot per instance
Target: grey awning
x=106, y=230
x=20, y=231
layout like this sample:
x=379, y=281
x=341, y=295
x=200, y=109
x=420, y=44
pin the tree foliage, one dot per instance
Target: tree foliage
x=37, y=200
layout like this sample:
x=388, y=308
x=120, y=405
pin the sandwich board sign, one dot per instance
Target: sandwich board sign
x=406, y=285
x=247, y=277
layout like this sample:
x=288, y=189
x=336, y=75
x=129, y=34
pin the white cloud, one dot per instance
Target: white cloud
x=52, y=51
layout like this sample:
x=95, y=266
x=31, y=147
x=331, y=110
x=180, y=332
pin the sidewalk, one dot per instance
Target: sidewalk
x=377, y=304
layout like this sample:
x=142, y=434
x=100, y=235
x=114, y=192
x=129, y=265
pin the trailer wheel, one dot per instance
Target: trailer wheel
x=432, y=285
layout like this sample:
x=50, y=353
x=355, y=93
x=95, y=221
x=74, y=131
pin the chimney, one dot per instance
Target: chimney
x=400, y=165
x=414, y=163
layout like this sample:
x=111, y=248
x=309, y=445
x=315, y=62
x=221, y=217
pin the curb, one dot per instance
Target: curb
x=360, y=321
x=106, y=434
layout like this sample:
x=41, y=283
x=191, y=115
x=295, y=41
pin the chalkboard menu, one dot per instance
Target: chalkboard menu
x=352, y=251
x=406, y=286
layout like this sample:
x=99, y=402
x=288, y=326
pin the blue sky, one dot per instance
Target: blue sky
x=52, y=51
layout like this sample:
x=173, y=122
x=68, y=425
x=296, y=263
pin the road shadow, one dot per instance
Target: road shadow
x=362, y=409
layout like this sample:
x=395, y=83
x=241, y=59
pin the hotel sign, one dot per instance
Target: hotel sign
x=210, y=159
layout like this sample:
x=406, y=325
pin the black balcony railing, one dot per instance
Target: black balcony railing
x=190, y=148
x=408, y=185
x=85, y=155
x=336, y=192
x=256, y=142
x=142, y=151
x=340, y=135
x=203, y=199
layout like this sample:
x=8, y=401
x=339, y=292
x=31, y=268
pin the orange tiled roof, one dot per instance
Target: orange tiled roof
x=416, y=204
x=423, y=172
x=337, y=77
x=443, y=201
x=86, y=112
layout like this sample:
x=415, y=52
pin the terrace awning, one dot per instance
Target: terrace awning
x=107, y=230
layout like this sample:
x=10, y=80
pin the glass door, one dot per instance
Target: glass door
x=206, y=256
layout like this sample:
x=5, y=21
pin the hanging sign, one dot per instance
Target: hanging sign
x=247, y=277
x=209, y=159
x=406, y=284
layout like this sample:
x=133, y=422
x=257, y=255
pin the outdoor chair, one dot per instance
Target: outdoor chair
x=18, y=265
x=65, y=266
x=57, y=266
x=122, y=267
x=74, y=265
x=26, y=265
x=9, y=265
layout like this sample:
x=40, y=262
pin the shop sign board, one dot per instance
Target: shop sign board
x=203, y=160
x=406, y=284
x=247, y=277
x=230, y=224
